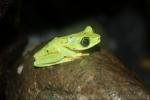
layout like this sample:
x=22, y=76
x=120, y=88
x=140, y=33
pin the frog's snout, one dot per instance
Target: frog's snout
x=98, y=38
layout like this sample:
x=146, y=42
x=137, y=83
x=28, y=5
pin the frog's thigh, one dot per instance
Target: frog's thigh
x=48, y=60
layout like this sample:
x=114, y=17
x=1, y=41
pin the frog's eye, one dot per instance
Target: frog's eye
x=85, y=41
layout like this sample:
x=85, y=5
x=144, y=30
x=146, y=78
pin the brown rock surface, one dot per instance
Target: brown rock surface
x=99, y=76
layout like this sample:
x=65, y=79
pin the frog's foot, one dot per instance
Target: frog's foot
x=79, y=55
x=85, y=54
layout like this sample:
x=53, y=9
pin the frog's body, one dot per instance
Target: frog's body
x=66, y=48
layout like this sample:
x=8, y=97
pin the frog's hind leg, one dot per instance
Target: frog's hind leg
x=48, y=60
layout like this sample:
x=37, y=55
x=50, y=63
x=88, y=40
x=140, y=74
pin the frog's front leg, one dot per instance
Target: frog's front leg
x=70, y=55
x=68, y=58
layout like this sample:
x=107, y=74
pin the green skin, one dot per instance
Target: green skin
x=66, y=48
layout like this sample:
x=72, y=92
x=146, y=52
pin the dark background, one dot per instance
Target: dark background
x=125, y=22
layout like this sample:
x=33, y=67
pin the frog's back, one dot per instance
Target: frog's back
x=48, y=49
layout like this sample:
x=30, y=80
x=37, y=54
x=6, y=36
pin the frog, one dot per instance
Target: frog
x=66, y=48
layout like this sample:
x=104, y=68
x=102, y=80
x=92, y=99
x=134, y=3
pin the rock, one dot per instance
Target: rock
x=99, y=76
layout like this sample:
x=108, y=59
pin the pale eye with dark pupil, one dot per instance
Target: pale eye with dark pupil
x=85, y=41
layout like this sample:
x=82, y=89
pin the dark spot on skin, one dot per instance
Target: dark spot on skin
x=47, y=51
x=85, y=41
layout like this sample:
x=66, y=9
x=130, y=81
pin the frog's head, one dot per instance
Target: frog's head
x=83, y=40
